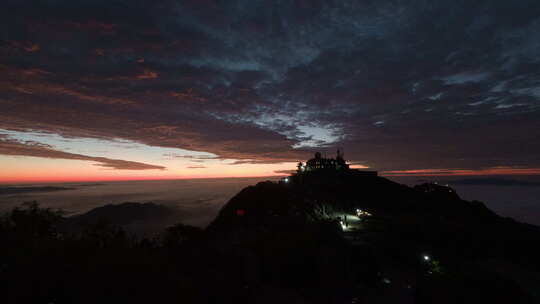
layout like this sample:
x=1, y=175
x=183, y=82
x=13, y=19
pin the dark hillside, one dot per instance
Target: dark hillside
x=318, y=237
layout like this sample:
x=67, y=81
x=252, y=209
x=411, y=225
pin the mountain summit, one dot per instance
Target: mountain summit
x=343, y=233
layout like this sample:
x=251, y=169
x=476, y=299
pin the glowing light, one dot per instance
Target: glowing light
x=426, y=258
x=361, y=213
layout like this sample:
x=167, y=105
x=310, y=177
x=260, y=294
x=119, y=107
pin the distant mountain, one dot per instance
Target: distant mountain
x=143, y=219
x=18, y=190
x=123, y=213
x=492, y=182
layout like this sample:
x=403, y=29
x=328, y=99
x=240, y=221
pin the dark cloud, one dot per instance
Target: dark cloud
x=196, y=167
x=14, y=148
x=191, y=157
x=285, y=171
x=399, y=85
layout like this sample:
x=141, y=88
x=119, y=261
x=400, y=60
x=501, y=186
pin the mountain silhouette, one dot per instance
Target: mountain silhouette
x=317, y=236
x=306, y=232
x=141, y=219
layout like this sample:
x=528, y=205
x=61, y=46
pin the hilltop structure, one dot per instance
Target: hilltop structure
x=322, y=163
x=328, y=165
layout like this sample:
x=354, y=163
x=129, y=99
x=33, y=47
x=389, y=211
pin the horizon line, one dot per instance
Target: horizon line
x=12, y=182
x=387, y=174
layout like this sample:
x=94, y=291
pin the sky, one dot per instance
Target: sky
x=133, y=89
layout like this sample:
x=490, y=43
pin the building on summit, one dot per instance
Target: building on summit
x=322, y=169
x=322, y=163
x=328, y=166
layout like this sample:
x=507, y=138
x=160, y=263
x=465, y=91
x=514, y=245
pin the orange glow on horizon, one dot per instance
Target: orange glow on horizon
x=43, y=170
x=23, y=179
x=24, y=170
x=81, y=179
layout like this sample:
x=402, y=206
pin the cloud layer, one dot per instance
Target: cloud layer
x=14, y=148
x=399, y=85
